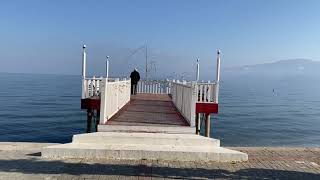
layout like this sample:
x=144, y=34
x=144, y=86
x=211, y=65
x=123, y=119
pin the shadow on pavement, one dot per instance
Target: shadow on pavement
x=36, y=165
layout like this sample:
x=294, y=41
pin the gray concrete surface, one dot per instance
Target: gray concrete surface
x=150, y=146
x=24, y=161
x=145, y=138
x=148, y=152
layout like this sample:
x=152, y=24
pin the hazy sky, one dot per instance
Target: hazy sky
x=42, y=36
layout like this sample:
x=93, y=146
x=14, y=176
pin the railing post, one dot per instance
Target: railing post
x=94, y=86
x=84, y=59
x=117, y=92
x=209, y=94
x=84, y=84
x=91, y=88
x=194, y=90
x=84, y=88
x=167, y=89
x=217, y=77
x=103, y=103
x=129, y=90
x=107, y=67
x=198, y=71
x=138, y=86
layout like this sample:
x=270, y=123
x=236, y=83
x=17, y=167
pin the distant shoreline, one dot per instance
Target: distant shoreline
x=45, y=74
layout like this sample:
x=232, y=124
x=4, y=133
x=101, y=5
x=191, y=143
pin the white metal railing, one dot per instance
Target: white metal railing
x=185, y=95
x=154, y=87
x=114, y=95
x=207, y=92
x=91, y=86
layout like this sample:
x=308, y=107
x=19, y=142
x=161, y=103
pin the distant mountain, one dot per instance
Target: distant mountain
x=290, y=67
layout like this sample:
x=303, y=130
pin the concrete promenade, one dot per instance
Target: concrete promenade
x=23, y=161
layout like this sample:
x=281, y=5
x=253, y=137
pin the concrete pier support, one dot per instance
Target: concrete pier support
x=89, y=120
x=97, y=120
x=198, y=123
x=207, y=128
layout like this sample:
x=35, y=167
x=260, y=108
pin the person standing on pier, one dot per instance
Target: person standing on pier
x=135, y=77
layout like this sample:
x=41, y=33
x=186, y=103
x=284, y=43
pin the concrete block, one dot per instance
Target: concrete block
x=138, y=152
x=145, y=138
x=147, y=129
x=150, y=146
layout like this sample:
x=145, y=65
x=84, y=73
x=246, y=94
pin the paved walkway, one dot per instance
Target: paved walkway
x=149, y=110
x=23, y=161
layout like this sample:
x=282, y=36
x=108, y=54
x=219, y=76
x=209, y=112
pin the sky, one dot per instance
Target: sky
x=46, y=36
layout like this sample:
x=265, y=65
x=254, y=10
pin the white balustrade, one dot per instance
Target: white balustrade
x=207, y=92
x=114, y=95
x=154, y=87
x=185, y=95
x=91, y=87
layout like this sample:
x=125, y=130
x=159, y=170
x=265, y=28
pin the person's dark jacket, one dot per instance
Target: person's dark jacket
x=135, y=77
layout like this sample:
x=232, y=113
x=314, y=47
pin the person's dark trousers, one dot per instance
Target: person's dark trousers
x=134, y=89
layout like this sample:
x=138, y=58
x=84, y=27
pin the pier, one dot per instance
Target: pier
x=161, y=122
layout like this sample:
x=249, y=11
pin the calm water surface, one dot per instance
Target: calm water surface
x=46, y=108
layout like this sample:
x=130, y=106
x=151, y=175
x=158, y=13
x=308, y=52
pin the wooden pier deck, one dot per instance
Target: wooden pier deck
x=149, y=110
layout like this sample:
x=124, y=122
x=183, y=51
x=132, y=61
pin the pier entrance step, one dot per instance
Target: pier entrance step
x=147, y=129
x=121, y=138
x=151, y=146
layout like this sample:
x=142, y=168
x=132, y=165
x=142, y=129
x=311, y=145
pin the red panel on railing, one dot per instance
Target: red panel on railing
x=90, y=103
x=207, y=108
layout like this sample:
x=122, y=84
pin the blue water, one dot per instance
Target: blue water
x=251, y=114
x=40, y=108
x=46, y=108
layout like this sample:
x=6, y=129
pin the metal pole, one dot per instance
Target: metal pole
x=146, y=62
x=107, y=67
x=207, y=130
x=217, y=76
x=84, y=59
x=198, y=70
x=218, y=66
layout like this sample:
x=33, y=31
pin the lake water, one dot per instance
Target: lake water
x=46, y=108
